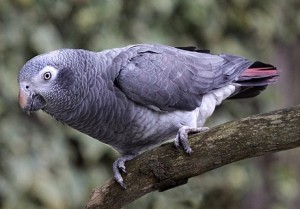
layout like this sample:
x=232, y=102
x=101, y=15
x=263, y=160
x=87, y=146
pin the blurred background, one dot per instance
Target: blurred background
x=46, y=165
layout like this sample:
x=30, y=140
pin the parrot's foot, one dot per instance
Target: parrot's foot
x=181, y=139
x=119, y=165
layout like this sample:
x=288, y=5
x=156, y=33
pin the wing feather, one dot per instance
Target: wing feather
x=169, y=78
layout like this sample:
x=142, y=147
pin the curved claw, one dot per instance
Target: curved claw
x=181, y=139
x=119, y=165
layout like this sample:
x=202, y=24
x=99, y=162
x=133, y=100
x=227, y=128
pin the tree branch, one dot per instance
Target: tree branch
x=165, y=167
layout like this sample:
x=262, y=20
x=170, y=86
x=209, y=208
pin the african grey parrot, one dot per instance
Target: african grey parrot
x=137, y=97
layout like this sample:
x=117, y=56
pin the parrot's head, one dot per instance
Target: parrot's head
x=50, y=81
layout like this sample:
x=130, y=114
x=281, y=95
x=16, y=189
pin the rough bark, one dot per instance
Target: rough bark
x=165, y=167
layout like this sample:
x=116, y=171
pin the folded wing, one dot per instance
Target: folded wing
x=168, y=78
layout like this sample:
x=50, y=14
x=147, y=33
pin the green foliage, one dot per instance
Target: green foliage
x=47, y=165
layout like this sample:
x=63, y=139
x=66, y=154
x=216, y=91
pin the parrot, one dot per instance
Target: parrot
x=136, y=97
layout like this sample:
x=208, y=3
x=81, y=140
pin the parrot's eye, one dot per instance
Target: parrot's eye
x=47, y=75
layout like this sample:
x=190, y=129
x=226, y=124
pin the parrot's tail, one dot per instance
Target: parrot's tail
x=255, y=79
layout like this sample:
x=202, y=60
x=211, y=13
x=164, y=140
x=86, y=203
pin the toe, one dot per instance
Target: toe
x=119, y=178
x=123, y=185
x=176, y=142
x=204, y=129
x=119, y=166
x=188, y=150
x=122, y=168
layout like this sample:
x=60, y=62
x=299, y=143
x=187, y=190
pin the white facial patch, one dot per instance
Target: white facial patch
x=48, y=71
x=44, y=78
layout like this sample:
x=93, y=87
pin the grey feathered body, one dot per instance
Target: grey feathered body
x=136, y=97
x=107, y=114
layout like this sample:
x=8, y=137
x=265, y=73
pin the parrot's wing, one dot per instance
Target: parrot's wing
x=168, y=78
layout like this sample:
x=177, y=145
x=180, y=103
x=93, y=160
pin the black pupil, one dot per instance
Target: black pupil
x=47, y=76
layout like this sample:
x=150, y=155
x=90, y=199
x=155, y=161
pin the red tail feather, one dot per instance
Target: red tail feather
x=260, y=72
x=255, y=79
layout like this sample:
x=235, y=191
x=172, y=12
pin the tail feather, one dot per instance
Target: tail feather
x=255, y=79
